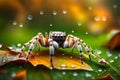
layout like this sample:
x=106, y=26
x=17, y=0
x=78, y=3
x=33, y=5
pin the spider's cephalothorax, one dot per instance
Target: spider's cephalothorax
x=55, y=40
x=59, y=37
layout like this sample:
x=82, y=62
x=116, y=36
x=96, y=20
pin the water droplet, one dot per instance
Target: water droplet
x=51, y=68
x=0, y=45
x=18, y=44
x=14, y=23
x=104, y=18
x=89, y=8
x=51, y=25
x=102, y=60
x=41, y=12
x=63, y=54
x=72, y=65
x=115, y=6
x=111, y=61
x=21, y=25
x=18, y=49
x=116, y=57
x=63, y=72
x=63, y=66
x=11, y=48
x=13, y=74
x=86, y=32
x=109, y=54
x=99, y=70
x=79, y=23
x=75, y=74
x=98, y=52
x=64, y=11
x=72, y=31
x=30, y=17
x=88, y=74
x=54, y=13
x=97, y=18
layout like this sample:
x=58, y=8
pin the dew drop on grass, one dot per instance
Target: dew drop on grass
x=63, y=72
x=97, y=18
x=87, y=74
x=99, y=70
x=0, y=45
x=14, y=23
x=41, y=12
x=30, y=17
x=98, y=52
x=64, y=11
x=109, y=54
x=116, y=57
x=18, y=44
x=54, y=13
x=75, y=74
x=111, y=61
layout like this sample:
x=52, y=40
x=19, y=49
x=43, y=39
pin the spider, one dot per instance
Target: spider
x=55, y=40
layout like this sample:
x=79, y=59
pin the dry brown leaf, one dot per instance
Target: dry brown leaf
x=60, y=61
x=114, y=42
x=21, y=75
x=106, y=77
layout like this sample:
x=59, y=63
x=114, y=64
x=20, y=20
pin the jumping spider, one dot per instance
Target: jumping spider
x=55, y=40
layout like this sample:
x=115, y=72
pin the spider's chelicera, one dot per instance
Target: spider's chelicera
x=55, y=40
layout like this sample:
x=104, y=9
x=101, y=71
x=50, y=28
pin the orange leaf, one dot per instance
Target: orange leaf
x=60, y=61
x=114, y=42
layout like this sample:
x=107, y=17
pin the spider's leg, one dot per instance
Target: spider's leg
x=39, y=45
x=51, y=51
x=30, y=50
x=79, y=47
x=87, y=48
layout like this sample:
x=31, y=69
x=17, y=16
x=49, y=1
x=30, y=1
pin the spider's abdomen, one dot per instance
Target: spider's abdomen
x=59, y=37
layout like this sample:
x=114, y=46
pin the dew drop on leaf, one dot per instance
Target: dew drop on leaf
x=63, y=66
x=116, y=57
x=72, y=65
x=75, y=74
x=87, y=74
x=86, y=33
x=63, y=72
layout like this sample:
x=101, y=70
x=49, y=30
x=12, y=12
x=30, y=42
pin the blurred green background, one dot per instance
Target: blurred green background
x=90, y=20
